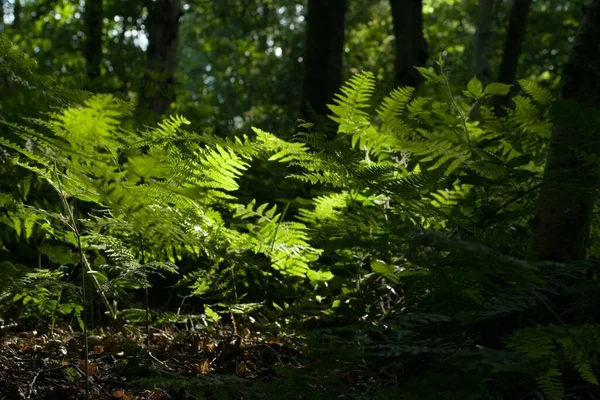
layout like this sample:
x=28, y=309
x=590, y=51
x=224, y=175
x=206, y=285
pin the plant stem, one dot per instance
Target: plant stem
x=463, y=117
x=72, y=223
x=146, y=300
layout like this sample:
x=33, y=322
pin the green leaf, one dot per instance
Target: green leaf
x=382, y=268
x=17, y=225
x=102, y=278
x=428, y=74
x=475, y=87
x=211, y=315
x=538, y=93
x=497, y=89
x=28, y=225
x=586, y=372
x=518, y=161
x=469, y=94
x=319, y=276
x=67, y=308
x=59, y=254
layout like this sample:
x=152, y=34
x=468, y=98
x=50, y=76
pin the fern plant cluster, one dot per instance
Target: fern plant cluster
x=406, y=246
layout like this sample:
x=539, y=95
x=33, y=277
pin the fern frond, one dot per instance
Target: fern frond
x=551, y=384
x=538, y=93
x=349, y=104
x=585, y=370
x=326, y=207
x=394, y=104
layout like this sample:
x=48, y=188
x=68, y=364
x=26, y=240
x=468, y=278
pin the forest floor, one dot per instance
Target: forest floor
x=178, y=365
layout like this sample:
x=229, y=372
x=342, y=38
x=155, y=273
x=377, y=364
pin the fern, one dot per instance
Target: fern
x=285, y=243
x=551, y=385
x=349, y=104
x=553, y=346
x=538, y=93
x=408, y=228
x=393, y=106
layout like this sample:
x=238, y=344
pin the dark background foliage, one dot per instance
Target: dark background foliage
x=299, y=199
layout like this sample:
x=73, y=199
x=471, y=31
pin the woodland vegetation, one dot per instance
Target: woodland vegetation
x=318, y=199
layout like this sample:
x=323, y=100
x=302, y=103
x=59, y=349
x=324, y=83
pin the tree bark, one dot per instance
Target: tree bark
x=93, y=18
x=323, y=55
x=513, y=47
x=158, y=86
x=411, y=46
x=561, y=227
x=482, y=41
x=17, y=9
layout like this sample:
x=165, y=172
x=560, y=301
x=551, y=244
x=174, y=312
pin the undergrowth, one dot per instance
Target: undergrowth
x=401, y=269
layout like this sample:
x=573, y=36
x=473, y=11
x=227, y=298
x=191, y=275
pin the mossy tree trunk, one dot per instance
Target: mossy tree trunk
x=323, y=55
x=562, y=224
x=410, y=43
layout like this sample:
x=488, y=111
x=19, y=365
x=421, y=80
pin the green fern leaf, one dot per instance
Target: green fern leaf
x=355, y=96
x=538, y=93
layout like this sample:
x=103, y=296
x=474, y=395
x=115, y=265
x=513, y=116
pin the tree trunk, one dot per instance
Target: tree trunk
x=1, y=16
x=158, y=86
x=482, y=41
x=93, y=18
x=513, y=46
x=561, y=227
x=323, y=55
x=411, y=46
x=17, y=10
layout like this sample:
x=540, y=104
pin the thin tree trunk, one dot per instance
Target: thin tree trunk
x=158, y=86
x=1, y=16
x=93, y=17
x=323, y=55
x=411, y=46
x=17, y=8
x=513, y=47
x=561, y=227
x=482, y=41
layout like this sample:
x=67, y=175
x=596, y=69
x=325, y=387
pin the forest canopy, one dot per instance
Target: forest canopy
x=273, y=199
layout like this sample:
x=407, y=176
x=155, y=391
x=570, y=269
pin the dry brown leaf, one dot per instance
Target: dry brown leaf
x=205, y=367
x=91, y=367
x=99, y=349
x=121, y=394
